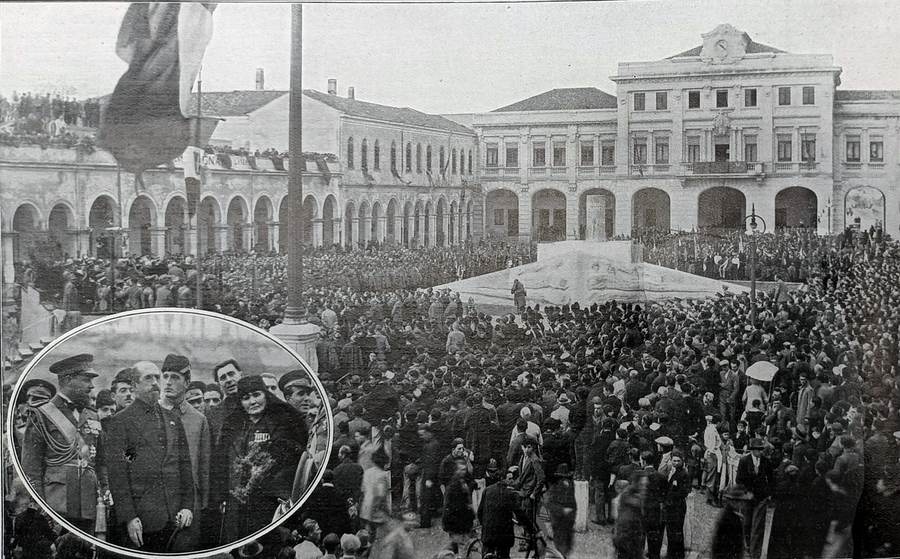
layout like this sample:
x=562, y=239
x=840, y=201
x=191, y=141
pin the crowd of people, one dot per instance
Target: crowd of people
x=788, y=254
x=443, y=410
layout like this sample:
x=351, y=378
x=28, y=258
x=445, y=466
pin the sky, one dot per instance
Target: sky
x=446, y=58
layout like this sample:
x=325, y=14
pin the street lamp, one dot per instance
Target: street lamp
x=754, y=227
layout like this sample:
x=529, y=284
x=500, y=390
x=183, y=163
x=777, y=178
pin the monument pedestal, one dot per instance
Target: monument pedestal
x=302, y=338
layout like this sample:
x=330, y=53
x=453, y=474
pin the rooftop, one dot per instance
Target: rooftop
x=867, y=95
x=234, y=103
x=400, y=115
x=564, y=99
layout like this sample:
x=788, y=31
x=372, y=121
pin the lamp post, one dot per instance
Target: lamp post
x=754, y=225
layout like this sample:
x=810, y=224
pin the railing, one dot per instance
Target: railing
x=587, y=170
x=607, y=169
x=557, y=170
x=784, y=166
x=510, y=171
x=538, y=171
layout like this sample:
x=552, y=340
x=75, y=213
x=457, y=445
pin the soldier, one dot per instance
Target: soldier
x=60, y=445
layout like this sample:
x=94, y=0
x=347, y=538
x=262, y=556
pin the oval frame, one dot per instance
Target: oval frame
x=205, y=553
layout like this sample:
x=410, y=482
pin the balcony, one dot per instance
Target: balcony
x=708, y=168
x=795, y=167
x=650, y=169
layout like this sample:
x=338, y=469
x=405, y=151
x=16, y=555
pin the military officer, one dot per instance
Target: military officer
x=60, y=445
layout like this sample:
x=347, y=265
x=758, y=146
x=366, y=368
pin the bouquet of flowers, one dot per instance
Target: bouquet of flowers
x=251, y=469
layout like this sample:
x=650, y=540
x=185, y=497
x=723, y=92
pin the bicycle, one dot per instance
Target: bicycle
x=532, y=538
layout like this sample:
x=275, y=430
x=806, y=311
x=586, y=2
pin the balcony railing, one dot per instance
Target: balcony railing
x=557, y=170
x=587, y=170
x=607, y=169
x=723, y=168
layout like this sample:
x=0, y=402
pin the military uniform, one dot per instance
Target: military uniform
x=59, y=453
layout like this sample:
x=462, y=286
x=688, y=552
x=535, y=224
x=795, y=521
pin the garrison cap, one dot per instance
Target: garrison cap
x=126, y=375
x=176, y=364
x=75, y=365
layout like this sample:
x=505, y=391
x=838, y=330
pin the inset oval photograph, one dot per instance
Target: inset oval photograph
x=168, y=432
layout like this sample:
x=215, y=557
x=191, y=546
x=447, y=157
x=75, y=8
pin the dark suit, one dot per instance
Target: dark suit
x=150, y=475
x=674, y=511
x=496, y=509
x=759, y=481
x=69, y=488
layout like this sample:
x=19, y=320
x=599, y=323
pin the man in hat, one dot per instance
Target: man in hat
x=122, y=388
x=678, y=487
x=496, y=510
x=59, y=449
x=149, y=464
x=755, y=473
x=728, y=539
x=194, y=395
x=176, y=375
x=36, y=392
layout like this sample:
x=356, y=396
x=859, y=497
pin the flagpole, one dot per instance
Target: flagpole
x=197, y=208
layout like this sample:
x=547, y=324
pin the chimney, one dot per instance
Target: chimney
x=260, y=79
x=351, y=93
x=332, y=87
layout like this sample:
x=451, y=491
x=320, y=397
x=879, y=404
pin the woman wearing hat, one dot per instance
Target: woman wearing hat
x=260, y=445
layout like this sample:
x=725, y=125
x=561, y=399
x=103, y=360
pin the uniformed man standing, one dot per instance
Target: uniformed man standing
x=60, y=445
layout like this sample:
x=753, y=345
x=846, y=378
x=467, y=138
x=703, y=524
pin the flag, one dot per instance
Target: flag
x=191, y=163
x=144, y=123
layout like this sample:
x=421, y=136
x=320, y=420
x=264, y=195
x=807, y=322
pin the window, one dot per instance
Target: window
x=418, y=158
x=640, y=151
x=639, y=101
x=512, y=155
x=876, y=151
x=470, y=162
x=350, y=153
x=587, y=154
x=853, y=149
x=393, y=157
x=441, y=160
x=809, y=95
x=559, y=154
x=808, y=148
x=693, y=149
x=661, y=151
x=364, y=155
x=498, y=216
x=408, y=162
x=784, y=96
x=538, y=155
x=428, y=158
x=750, y=97
x=491, y=156
x=693, y=99
x=784, y=147
x=453, y=161
x=376, y=156
x=662, y=101
x=750, y=153
x=721, y=98
x=608, y=153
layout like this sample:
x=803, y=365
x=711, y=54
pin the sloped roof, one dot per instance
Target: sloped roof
x=867, y=95
x=568, y=98
x=752, y=48
x=400, y=115
x=233, y=103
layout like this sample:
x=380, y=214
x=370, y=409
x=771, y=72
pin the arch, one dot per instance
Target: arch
x=440, y=217
x=502, y=214
x=60, y=221
x=364, y=155
x=651, y=209
x=328, y=219
x=376, y=156
x=141, y=221
x=350, y=152
x=103, y=213
x=721, y=207
x=26, y=224
x=307, y=220
x=209, y=217
x=796, y=206
x=236, y=218
x=176, y=223
x=864, y=207
x=596, y=215
x=349, y=217
x=391, y=222
x=548, y=215
x=262, y=217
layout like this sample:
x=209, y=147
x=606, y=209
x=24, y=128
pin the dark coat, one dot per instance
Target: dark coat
x=728, y=539
x=628, y=536
x=759, y=483
x=326, y=506
x=458, y=515
x=495, y=513
x=145, y=481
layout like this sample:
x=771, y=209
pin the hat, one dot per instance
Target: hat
x=35, y=382
x=104, y=398
x=249, y=384
x=75, y=365
x=297, y=377
x=197, y=385
x=252, y=549
x=125, y=375
x=756, y=444
x=563, y=399
x=176, y=364
x=665, y=441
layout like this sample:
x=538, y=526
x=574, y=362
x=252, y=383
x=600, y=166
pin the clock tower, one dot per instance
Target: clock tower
x=724, y=45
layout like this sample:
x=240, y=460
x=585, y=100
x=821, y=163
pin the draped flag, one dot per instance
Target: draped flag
x=145, y=122
x=192, y=158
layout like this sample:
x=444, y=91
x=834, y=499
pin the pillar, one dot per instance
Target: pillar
x=221, y=241
x=524, y=215
x=82, y=242
x=190, y=237
x=572, y=216
x=274, y=231
x=9, y=242
x=399, y=224
x=247, y=235
x=623, y=214
x=432, y=230
x=420, y=238
x=445, y=227
x=354, y=229
x=158, y=240
x=317, y=232
x=380, y=228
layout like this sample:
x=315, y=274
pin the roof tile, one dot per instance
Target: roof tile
x=562, y=99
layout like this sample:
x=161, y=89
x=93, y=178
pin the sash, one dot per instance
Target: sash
x=68, y=430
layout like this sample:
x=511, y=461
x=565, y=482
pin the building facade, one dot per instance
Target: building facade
x=696, y=140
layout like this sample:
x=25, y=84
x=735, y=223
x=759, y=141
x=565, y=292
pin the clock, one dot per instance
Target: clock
x=721, y=47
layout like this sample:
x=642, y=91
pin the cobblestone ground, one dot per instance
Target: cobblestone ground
x=596, y=542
